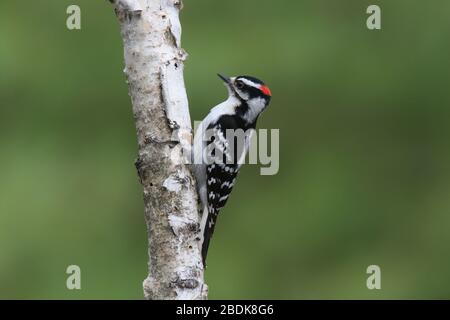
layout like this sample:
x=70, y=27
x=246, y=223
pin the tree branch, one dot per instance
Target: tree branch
x=151, y=33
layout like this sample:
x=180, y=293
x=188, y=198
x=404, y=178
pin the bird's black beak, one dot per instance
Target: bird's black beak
x=225, y=79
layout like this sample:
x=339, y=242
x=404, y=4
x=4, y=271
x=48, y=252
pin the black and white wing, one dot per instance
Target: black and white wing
x=221, y=174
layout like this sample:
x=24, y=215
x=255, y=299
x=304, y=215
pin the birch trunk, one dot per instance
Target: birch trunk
x=151, y=33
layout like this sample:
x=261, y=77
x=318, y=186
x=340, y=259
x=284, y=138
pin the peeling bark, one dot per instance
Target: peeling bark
x=154, y=62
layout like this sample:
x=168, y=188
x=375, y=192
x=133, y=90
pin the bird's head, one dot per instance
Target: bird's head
x=247, y=88
x=250, y=90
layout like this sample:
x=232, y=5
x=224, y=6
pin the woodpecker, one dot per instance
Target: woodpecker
x=218, y=155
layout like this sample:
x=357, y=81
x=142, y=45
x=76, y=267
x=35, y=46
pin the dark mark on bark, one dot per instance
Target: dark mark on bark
x=139, y=164
x=187, y=283
x=148, y=139
x=173, y=124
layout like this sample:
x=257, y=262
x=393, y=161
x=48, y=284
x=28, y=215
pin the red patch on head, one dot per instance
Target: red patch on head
x=265, y=90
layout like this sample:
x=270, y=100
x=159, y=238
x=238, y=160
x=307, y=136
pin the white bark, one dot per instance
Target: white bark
x=151, y=34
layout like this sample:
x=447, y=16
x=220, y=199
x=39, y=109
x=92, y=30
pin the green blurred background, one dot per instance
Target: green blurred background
x=364, y=166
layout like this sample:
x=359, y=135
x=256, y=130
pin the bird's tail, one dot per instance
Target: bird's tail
x=205, y=246
x=208, y=224
x=204, y=238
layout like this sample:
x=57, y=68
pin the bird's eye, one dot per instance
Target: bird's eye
x=239, y=84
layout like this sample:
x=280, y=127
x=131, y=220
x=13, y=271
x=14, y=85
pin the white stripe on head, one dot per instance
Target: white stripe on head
x=250, y=83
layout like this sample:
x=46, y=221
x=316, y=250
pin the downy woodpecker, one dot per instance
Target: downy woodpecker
x=219, y=150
